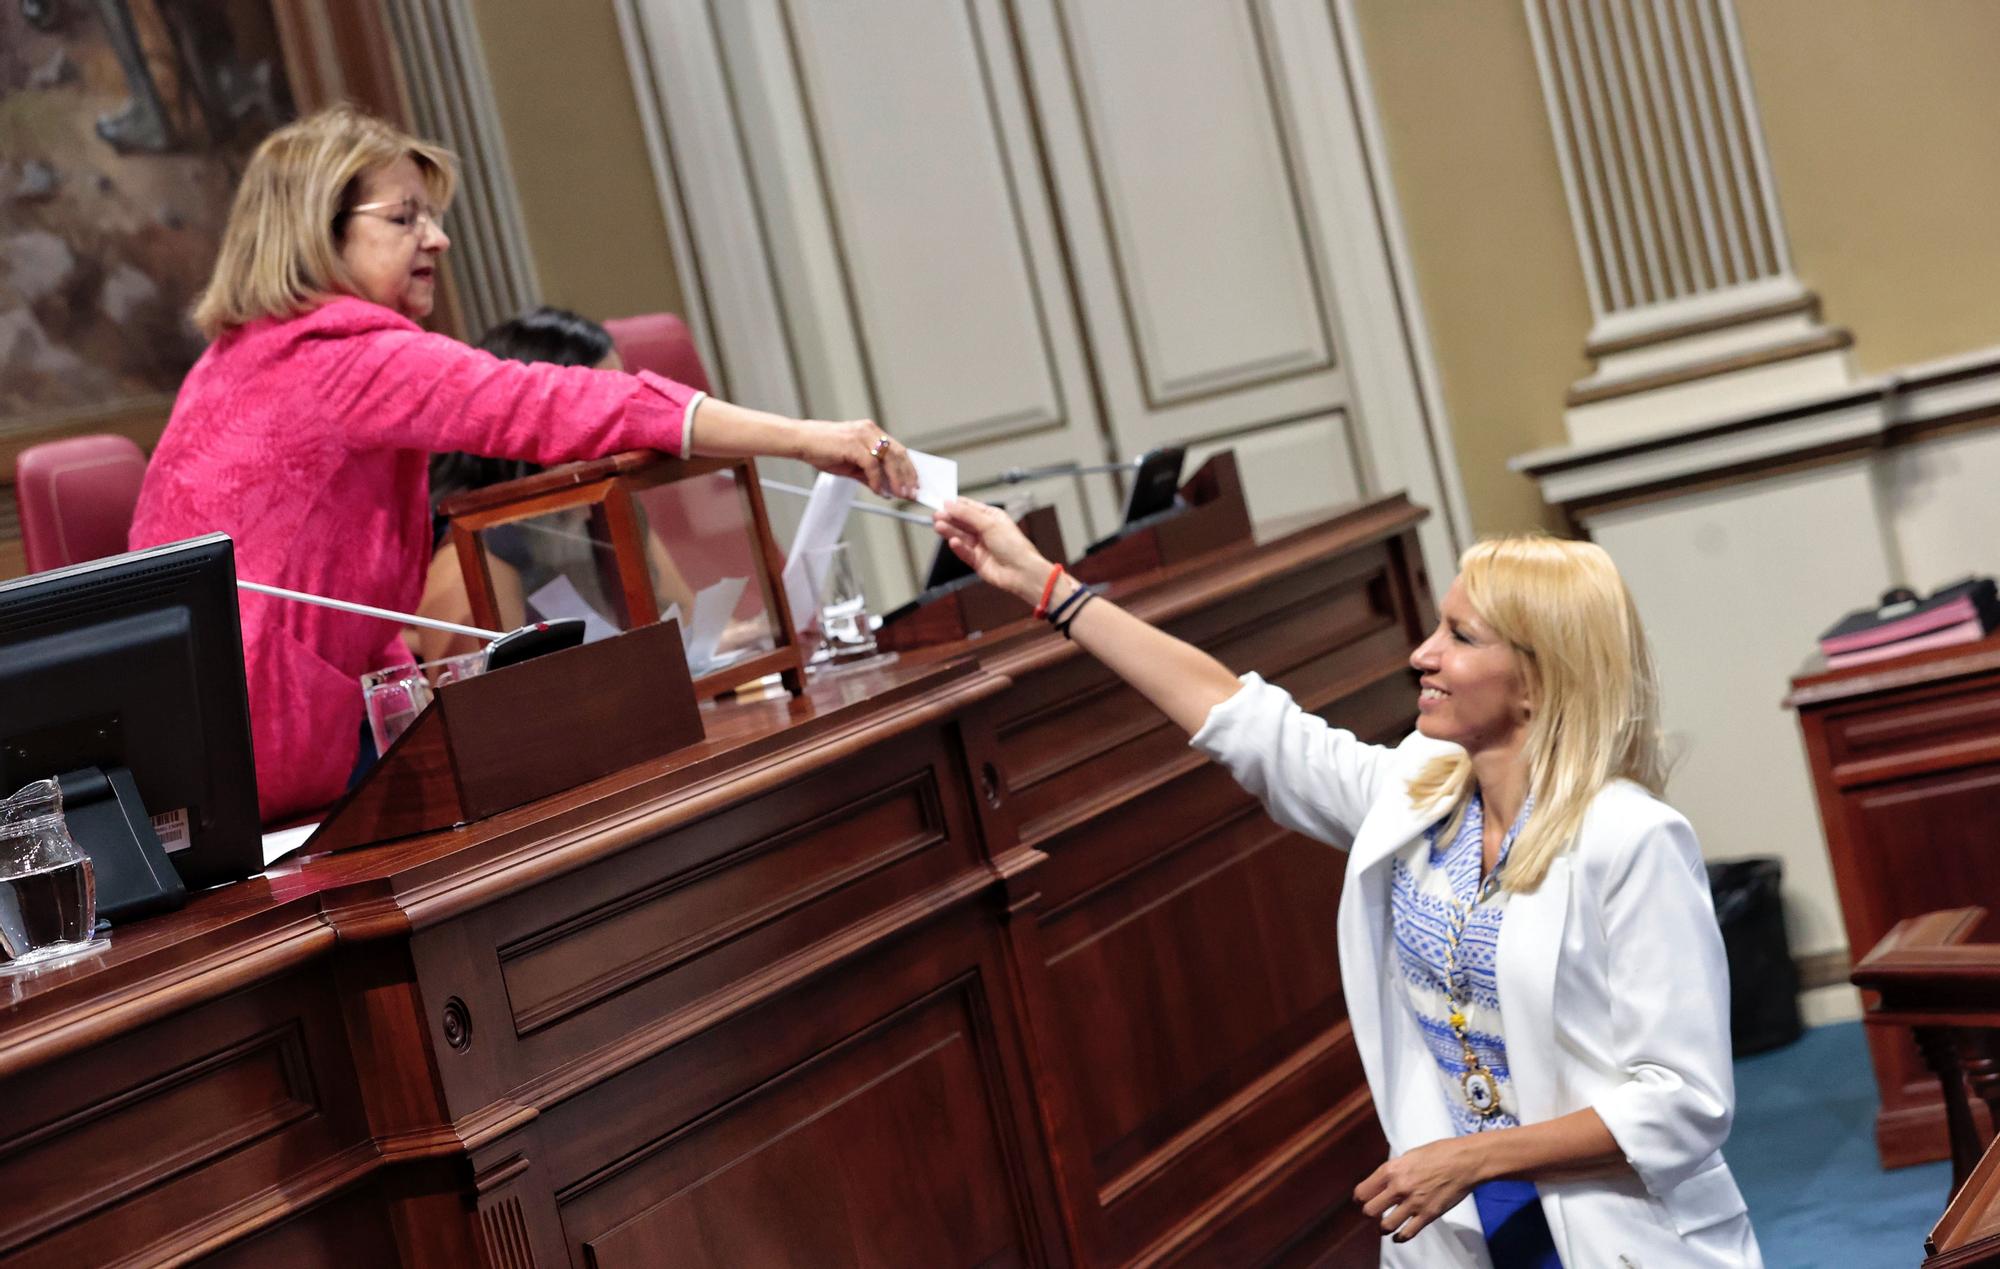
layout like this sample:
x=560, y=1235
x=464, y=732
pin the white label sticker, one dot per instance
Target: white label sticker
x=172, y=827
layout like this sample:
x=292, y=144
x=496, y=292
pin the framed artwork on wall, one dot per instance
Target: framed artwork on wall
x=124, y=126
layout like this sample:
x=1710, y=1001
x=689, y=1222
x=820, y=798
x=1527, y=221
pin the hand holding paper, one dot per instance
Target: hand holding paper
x=937, y=479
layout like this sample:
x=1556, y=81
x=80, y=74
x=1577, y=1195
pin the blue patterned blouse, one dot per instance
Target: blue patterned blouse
x=1427, y=882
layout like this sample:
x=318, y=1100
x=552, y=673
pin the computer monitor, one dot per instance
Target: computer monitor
x=1155, y=492
x=1155, y=484
x=123, y=678
x=946, y=567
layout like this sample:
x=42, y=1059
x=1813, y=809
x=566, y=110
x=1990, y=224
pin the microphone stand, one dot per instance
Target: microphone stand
x=1021, y=475
x=369, y=610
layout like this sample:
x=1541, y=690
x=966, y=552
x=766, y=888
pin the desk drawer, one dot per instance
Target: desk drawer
x=1930, y=728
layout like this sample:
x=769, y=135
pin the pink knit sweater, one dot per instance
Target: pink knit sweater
x=307, y=441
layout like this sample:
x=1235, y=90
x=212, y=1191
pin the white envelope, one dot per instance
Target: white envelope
x=937, y=479
x=559, y=600
x=824, y=520
x=712, y=608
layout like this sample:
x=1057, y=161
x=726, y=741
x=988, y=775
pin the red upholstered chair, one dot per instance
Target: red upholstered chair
x=76, y=498
x=661, y=343
x=701, y=522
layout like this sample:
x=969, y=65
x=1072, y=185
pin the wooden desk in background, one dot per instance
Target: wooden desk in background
x=1905, y=759
x=970, y=961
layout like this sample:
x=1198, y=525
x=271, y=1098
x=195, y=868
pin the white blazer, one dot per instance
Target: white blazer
x=1614, y=993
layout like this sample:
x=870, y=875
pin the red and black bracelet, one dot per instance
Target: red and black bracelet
x=1048, y=588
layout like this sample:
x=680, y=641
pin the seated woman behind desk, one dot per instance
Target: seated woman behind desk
x=542, y=334
x=305, y=430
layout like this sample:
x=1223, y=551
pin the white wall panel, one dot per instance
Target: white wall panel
x=935, y=254
x=1211, y=259
x=1734, y=589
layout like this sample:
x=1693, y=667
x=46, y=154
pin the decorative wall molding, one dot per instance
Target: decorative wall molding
x=1896, y=409
x=451, y=101
x=1676, y=218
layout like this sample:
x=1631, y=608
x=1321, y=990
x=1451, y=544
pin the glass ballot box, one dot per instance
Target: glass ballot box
x=631, y=540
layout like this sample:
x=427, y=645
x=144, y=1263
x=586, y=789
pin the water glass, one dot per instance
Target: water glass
x=393, y=698
x=452, y=669
x=843, y=609
x=48, y=892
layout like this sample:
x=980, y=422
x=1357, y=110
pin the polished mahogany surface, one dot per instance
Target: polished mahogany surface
x=965, y=960
x=1905, y=757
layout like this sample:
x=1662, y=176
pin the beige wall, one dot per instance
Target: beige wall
x=1883, y=124
x=579, y=156
x=1489, y=233
x=1883, y=118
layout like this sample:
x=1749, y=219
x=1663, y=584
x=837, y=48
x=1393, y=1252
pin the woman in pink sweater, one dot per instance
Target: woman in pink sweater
x=305, y=430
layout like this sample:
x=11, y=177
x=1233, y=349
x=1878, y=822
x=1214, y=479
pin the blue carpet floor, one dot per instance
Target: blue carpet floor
x=1803, y=1149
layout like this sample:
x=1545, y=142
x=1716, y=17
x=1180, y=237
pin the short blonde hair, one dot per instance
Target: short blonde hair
x=1594, y=697
x=280, y=255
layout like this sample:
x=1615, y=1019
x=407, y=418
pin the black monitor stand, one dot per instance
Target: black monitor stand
x=133, y=875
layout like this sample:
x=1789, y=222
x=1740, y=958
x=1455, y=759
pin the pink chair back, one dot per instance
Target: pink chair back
x=661, y=343
x=76, y=498
x=699, y=522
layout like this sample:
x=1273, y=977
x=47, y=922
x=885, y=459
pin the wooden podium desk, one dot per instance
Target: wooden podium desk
x=1905, y=757
x=968, y=961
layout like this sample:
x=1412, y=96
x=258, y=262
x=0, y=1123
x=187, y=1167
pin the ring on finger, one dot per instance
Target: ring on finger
x=881, y=443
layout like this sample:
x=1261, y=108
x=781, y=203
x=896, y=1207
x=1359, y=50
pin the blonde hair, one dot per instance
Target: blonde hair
x=280, y=255
x=1594, y=713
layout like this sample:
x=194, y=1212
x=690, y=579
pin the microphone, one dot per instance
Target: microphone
x=503, y=647
x=369, y=610
x=1021, y=475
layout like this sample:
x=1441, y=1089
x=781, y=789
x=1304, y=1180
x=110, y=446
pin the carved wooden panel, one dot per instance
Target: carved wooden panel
x=1923, y=728
x=583, y=960
x=180, y=1123
x=641, y=946
x=351, y=1230
x=863, y=1121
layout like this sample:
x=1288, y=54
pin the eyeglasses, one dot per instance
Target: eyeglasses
x=407, y=214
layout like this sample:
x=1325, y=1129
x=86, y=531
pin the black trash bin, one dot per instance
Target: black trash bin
x=1763, y=981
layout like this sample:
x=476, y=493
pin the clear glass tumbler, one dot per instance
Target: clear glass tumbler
x=394, y=697
x=48, y=893
x=843, y=609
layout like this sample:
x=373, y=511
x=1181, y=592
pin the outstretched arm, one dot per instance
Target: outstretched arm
x=1312, y=777
x=394, y=385
x=1182, y=680
x=722, y=430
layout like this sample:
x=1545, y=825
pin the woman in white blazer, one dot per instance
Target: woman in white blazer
x=1529, y=955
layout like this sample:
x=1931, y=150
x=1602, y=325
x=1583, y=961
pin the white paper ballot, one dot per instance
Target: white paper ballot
x=284, y=841
x=824, y=520
x=559, y=600
x=712, y=608
x=937, y=479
